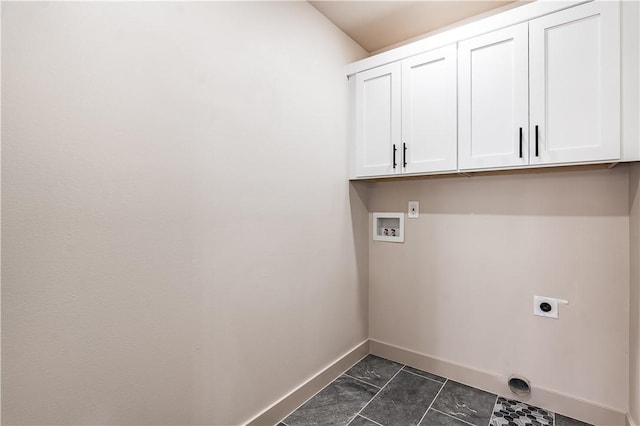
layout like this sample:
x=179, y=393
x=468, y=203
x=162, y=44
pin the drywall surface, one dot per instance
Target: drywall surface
x=634, y=292
x=461, y=287
x=178, y=245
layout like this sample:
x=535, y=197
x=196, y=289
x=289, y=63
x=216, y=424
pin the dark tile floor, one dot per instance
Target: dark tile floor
x=379, y=392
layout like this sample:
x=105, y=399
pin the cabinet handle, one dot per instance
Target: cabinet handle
x=404, y=154
x=520, y=142
x=536, y=140
x=394, y=155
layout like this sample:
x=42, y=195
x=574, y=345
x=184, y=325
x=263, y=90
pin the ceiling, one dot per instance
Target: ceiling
x=377, y=25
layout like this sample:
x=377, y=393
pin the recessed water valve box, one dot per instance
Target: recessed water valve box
x=388, y=227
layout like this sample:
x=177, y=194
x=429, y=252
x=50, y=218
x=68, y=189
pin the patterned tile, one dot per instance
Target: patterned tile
x=403, y=401
x=374, y=370
x=424, y=374
x=516, y=413
x=472, y=405
x=568, y=421
x=334, y=405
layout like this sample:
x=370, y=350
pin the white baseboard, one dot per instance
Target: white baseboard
x=551, y=400
x=287, y=404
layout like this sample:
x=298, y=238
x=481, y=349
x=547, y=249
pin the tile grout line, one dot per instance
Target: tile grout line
x=420, y=375
x=493, y=410
x=377, y=393
x=432, y=401
x=372, y=421
x=360, y=380
x=453, y=417
x=323, y=388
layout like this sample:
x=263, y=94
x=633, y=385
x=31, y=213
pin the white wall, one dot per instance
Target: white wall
x=634, y=293
x=461, y=287
x=178, y=244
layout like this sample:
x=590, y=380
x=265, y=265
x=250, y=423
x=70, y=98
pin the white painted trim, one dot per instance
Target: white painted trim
x=548, y=399
x=492, y=23
x=291, y=401
x=629, y=421
x=352, y=129
x=546, y=168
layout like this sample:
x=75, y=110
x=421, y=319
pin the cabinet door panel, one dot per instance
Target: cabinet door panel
x=429, y=122
x=378, y=121
x=493, y=99
x=575, y=85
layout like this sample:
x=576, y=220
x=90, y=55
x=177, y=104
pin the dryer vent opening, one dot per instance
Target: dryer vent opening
x=519, y=386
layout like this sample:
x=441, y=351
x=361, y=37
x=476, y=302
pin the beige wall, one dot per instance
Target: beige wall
x=634, y=293
x=178, y=244
x=631, y=131
x=461, y=287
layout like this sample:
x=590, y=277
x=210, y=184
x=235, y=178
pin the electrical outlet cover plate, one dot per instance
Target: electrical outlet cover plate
x=414, y=210
x=539, y=300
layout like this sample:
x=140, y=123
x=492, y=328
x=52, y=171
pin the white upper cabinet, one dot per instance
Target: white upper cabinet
x=429, y=111
x=378, y=141
x=534, y=86
x=493, y=100
x=542, y=92
x=406, y=116
x=575, y=85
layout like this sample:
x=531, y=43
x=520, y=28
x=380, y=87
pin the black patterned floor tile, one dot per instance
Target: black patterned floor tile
x=374, y=370
x=436, y=418
x=568, y=421
x=334, y=405
x=424, y=374
x=465, y=403
x=361, y=421
x=360, y=398
x=515, y=413
x=403, y=401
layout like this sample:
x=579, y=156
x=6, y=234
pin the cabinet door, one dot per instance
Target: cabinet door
x=493, y=99
x=575, y=85
x=429, y=122
x=378, y=121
